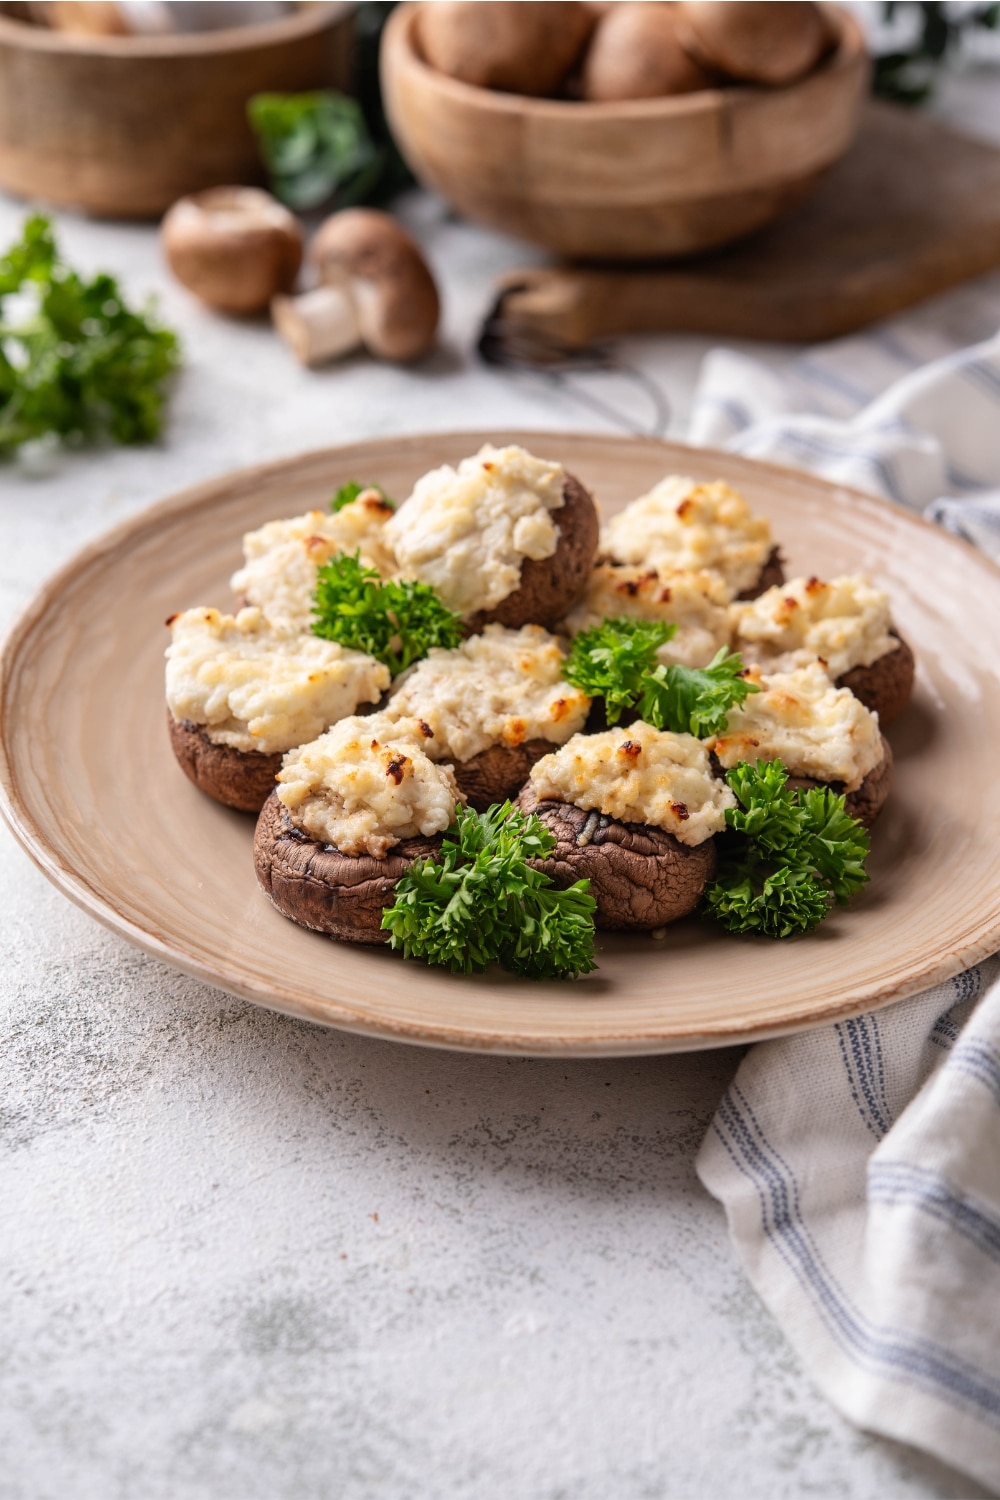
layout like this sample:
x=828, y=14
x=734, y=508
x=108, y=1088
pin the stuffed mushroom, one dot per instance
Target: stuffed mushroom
x=492, y=707
x=681, y=525
x=822, y=734
x=281, y=559
x=506, y=538
x=240, y=692
x=351, y=812
x=633, y=810
x=693, y=602
x=845, y=623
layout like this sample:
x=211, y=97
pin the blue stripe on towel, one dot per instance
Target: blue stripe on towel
x=798, y=443
x=891, y=1352
x=900, y=1182
x=980, y=1061
x=861, y=1053
x=984, y=376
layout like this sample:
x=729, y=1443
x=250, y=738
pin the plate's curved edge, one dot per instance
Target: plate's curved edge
x=974, y=946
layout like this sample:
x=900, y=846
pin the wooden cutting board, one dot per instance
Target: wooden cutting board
x=911, y=210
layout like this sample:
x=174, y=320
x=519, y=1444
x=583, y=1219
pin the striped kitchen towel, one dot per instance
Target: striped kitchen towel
x=859, y=1164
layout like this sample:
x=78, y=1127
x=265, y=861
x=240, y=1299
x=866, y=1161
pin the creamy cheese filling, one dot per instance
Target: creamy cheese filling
x=366, y=785
x=846, y=623
x=694, y=602
x=499, y=688
x=279, y=573
x=467, y=531
x=256, y=686
x=682, y=525
x=639, y=774
x=812, y=727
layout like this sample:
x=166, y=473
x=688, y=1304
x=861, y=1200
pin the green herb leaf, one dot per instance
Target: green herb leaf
x=80, y=364
x=316, y=146
x=689, y=700
x=396, y=622
x=616, y=661
x=481, y=902
x=350, y=491
x=613, y=660
x=787, y=856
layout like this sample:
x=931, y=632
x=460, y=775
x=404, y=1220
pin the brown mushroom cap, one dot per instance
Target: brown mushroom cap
x=771, y=574
x=498, y=772
x=762, y=41
x=520, y=48
x=316, y=886
x=867, y=800
x=234, y=247
x=635, y=54
x=372, y=257
x=641, y=877
x=887, y=685
x=550, y=586
x=237, y=778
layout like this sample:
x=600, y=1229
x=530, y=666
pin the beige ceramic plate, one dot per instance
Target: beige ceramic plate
x=92, y=791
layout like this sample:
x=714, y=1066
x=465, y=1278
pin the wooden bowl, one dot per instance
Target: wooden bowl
x=122, y=126
x=623, y=181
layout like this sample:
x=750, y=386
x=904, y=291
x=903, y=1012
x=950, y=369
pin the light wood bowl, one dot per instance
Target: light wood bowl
x=629, y=181
x=122, y=126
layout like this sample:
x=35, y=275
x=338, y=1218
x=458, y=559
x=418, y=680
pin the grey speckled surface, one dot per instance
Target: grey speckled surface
x=246, y=1259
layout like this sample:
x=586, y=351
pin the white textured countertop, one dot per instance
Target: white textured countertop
x=242, y=1257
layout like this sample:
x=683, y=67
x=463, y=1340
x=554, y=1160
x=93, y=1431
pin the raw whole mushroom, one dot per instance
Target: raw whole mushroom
x=375, y=291
x=234, y=247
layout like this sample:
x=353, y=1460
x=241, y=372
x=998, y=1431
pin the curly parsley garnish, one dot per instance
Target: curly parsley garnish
x=788, y=856
x=80, y=364
x=695, y=700
x=396, y=622
x=613, y=660
x=616, y=661
x=481, y=903
x=350, y=491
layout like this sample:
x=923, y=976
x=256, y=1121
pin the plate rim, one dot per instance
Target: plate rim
x=979, y=943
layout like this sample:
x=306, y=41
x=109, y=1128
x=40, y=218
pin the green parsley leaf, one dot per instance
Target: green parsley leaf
x=695, y=700
x=787, y=856
x=80, y=364
x=316, y=147
x=613, y=660
x=396, y=622
x=350, y=491
x=480, y=902
x=616, y=661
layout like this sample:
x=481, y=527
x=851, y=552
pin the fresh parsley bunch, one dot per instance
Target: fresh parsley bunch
x=613, y=660
x=616, y=661
x=350, y=491
x=695, y=700
x=789, y=854
x=315, y=146
x=481, y=902
x=79, y=363
x=396, y=622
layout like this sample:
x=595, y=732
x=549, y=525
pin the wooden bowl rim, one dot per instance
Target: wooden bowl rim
x=399, y=36
x=313, y=17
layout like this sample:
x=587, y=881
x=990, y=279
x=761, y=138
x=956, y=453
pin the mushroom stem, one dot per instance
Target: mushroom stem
x=319, y=325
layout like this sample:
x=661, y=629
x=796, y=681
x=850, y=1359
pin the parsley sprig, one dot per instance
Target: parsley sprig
x=788, y=856
x=79, y=363
x=350, y=491
x=396, y=621
x=481, y=902
x=617, y=661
